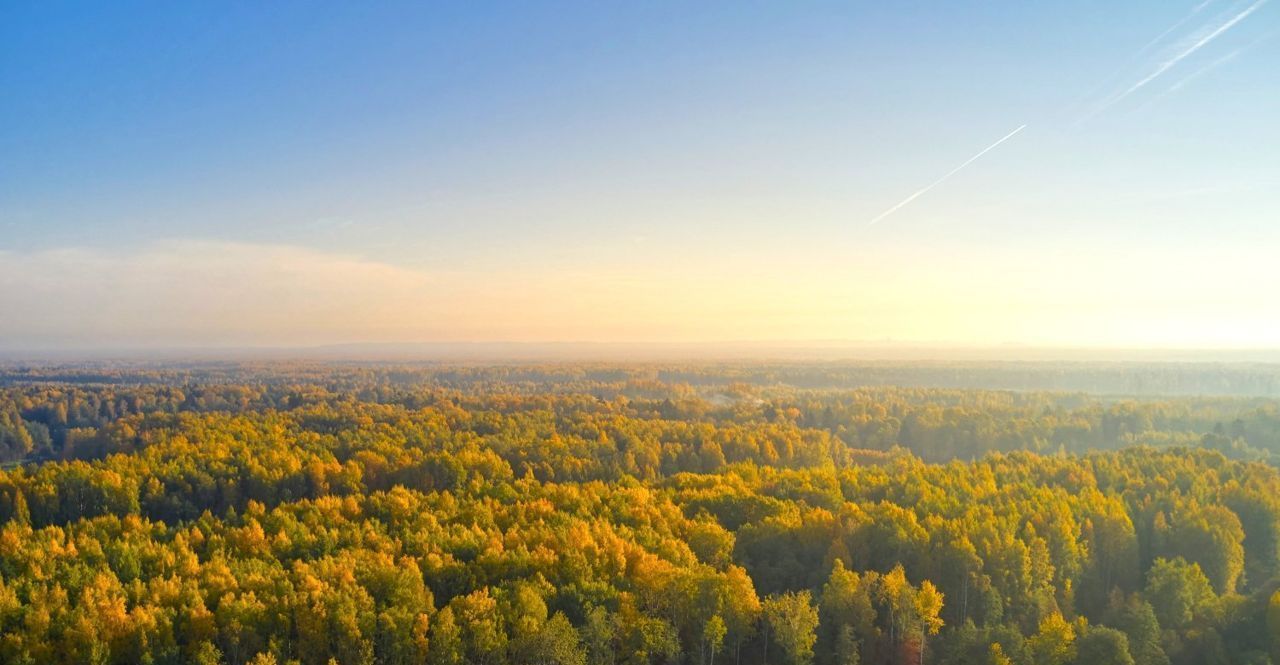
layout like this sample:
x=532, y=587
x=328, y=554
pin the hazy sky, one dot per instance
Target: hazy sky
x=306, y=173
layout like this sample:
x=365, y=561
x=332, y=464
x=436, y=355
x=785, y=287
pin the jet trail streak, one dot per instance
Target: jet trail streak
x=1206, y=69
x=944, y=178
x=1185, y=53
x=1195, y=11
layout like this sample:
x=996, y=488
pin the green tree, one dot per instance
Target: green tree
x=1178, y=591
x=598, y=634
x=445, y=646
x=792, y=622
x=1100, y=645
x=713, y=636
x=1135, y=617
x=846, y=651
x=555, y=642
x=1213, y=537
x=846, y=613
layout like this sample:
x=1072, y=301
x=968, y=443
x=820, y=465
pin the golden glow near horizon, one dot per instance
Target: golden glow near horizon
x=213, y=293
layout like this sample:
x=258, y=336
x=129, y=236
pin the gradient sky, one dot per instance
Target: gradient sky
x=207, y=174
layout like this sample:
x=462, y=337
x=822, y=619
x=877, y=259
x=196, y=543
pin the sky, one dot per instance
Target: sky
x=227, y=174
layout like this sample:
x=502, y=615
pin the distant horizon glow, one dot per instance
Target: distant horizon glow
x=210, y=294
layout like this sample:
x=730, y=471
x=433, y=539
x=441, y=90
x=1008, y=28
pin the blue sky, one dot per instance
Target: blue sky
x=661, y=171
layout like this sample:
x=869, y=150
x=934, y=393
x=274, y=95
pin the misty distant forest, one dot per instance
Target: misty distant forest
x=696, y=513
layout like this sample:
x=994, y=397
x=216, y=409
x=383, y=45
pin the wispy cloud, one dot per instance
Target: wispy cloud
x=939, y=181
x=1129, y=63
x=1206, y=69
x=1203, y=70
x=1195, y=11
x=201, y=291
x=1183, y=51
x=1218, y=63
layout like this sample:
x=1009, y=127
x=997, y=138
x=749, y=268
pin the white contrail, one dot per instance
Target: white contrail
x=1195, y=11
x=1115, y=75
x=944, y=178
x=1186, y=52
x=1182, y=83
x=1206, y=69
x=1188, y=79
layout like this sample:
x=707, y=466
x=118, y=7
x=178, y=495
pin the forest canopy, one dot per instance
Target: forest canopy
x=312, y=513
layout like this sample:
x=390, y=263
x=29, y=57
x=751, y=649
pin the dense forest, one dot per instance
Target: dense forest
x=575, y=514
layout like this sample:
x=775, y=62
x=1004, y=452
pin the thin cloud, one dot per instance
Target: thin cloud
x=1197, y=42
x=939, y=181
x=201, y=291
x=1219, y=62
x=1195, y=11
x=1115, y=75
x=1206, y=69
x=1202, y=71
x=1189, y=78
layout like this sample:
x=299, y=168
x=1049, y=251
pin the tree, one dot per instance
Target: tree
x=996, y=656
x=913, y=613
x=846, y=651
x=483, y=632
x=713, y=636
x=644, y=639
x=741, y=608
x=1137, y=619
x=1053, y=643
x=21, y=513
x=1273, y=623
x=598, y=633
x=792, y=621
x=1178, y=591
x=1113, y=561
x=1103, y=646
x=847, y=615
x=445, y=646
x=928, y=605
x=1212, y=537
x=553, y=643
x=1260, y=518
